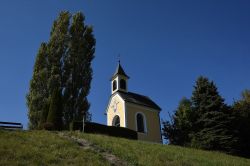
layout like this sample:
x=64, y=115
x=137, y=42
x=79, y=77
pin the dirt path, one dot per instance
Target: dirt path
x=83, y=143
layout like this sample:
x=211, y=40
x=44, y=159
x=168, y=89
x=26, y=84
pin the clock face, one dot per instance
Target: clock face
x=114, y=105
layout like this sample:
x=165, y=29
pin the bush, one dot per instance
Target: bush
x=90, y=127
x=96, y=128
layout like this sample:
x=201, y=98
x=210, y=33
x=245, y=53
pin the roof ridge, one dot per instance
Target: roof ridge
x=139, y=94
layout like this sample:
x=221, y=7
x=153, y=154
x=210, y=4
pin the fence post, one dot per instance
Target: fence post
x=83, y=123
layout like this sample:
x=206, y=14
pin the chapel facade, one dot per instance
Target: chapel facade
x=132, y=110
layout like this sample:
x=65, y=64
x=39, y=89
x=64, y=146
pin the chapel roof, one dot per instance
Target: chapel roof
x=119, y=71
x=138, y=99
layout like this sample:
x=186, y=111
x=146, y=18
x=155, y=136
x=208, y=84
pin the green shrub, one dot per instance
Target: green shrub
x=96, y=128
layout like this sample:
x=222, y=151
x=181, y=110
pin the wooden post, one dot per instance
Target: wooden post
x=83, y=123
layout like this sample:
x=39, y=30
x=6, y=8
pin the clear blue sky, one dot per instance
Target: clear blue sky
x=164, y=45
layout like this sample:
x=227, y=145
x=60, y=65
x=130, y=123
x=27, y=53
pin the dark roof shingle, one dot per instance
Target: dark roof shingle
x=138, y=99
x=119, y=71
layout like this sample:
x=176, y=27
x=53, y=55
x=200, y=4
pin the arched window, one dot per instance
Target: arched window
x=122, y=84
x=116, y=121
x=114, y=85
x=140, y=123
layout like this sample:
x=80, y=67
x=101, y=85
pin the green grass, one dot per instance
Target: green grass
x=142, y=153
x=43, y=148
x=48, y=148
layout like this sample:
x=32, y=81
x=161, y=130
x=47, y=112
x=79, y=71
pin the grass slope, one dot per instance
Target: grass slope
x=47, y=148
x=143, y=153
x=43, y=148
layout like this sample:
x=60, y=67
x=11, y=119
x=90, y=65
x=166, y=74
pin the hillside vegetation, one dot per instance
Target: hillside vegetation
x=43, y=148
x=50, y=148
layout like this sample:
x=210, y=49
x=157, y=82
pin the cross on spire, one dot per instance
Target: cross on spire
x=119, y=70
x=119, y=58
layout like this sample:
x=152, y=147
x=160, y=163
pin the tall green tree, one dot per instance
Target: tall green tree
x=37, y=98
x=56, y=48
x=178, y=131
x=77, y=71
x=47, y=72
x=242, y=125
x=63, y=65
x=204, y=122
x=213, y=124
x=184, y=120
x=55, y=110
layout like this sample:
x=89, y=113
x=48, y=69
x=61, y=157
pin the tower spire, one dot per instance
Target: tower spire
x=119, y=71
x=119, y=79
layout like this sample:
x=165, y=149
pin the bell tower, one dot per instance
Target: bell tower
x=131, y=110
x=119, y=80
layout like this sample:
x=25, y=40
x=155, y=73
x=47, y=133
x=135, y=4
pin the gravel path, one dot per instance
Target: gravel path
x=83, y=143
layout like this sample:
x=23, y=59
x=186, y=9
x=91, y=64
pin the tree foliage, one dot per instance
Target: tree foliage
x=178, y=130
x=55, y=110
x=212, y=124
x=242, y=123
x=37, y=98
x=77, y=71
x=203, y=122
x=56, y=49
x=63, y=65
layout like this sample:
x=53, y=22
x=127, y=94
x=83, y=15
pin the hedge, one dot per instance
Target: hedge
x=96, y=128
x=76, y=125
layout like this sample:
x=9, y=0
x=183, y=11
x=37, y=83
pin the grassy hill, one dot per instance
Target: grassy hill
x=74, y=148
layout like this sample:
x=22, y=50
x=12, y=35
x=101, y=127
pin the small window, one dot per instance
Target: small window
x=114, y=85
x=140, y=123
x=122, y=84
x=116, y=121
